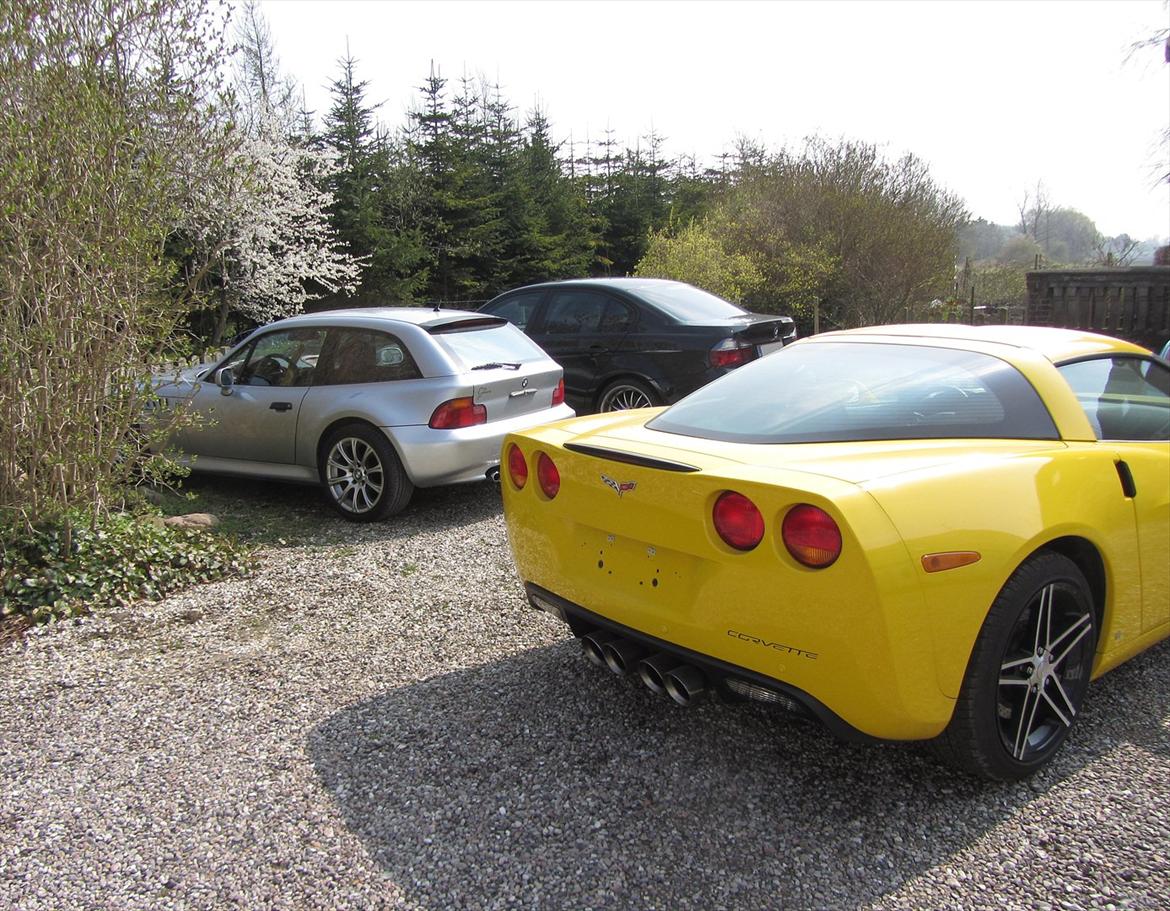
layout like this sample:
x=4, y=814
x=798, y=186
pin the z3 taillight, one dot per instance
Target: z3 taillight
x=456, y=413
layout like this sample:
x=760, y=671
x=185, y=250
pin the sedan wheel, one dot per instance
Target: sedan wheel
x=362, y=475
x=1028, y=672
x=624, y=394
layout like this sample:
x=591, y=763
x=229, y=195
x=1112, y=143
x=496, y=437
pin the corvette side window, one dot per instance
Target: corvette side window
x=1124, y=397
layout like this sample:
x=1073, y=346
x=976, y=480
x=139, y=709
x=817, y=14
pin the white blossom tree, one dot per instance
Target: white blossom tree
x=258, y=232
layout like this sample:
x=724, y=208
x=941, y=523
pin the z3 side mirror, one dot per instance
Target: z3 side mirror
x=225, y=379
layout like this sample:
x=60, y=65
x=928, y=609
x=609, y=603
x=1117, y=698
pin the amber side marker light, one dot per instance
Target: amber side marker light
x=950, y=559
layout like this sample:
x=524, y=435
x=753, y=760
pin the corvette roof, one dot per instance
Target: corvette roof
x=1056, y=345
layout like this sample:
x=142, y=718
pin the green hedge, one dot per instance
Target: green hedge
x=117, y=560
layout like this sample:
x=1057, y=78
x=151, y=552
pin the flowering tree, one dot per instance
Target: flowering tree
x=258, y=234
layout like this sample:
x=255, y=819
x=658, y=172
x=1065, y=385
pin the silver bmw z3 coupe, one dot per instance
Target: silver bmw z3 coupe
x=368, y=403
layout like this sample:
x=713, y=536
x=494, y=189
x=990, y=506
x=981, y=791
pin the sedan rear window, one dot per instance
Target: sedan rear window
x=843, y=391
x=688, y=304
x=499, y=344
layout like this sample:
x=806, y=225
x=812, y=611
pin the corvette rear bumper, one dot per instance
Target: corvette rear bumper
x=722, y=675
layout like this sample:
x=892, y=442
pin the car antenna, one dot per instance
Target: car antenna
x=438, y=305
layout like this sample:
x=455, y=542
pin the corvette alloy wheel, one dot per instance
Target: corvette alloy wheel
x=1045, y=671
x=1028, y=673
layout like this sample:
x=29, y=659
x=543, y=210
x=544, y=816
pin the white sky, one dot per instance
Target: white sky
x=992, y=95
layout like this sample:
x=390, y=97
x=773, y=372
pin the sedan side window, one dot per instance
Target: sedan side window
x=575, y=312
x=1124, y=398
x=518, y=308
x=286, y=358
x=365, y=356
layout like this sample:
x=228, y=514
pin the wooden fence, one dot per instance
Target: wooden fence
x=1130, y=303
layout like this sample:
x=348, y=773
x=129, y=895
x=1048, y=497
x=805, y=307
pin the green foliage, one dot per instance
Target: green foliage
x=80, y=564
x=696, y=256
x=103, y=109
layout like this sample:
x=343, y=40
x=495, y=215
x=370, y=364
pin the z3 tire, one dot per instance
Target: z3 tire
x=1028, y=673
x=621, y=395
x=361, y=474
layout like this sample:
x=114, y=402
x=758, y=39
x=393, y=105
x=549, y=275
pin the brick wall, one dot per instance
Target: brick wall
x=1130, y=303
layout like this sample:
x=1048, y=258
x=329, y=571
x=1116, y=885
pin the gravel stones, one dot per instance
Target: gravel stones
x=376, y=719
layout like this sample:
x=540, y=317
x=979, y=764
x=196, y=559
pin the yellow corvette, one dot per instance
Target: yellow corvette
x=906, y=532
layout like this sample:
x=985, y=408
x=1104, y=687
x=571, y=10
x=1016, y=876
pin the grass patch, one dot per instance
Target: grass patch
x=255, y=512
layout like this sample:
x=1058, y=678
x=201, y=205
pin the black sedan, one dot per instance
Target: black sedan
x=638, y=342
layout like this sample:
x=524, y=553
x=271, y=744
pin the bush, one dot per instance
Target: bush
x=71, y=567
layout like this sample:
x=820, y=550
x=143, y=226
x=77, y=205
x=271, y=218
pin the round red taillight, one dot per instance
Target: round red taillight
x=517, y=467
x=547, y=474
x=737, y=520
x=811, y=536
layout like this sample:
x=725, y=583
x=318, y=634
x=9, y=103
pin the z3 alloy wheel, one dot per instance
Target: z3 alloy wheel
x=362, y=475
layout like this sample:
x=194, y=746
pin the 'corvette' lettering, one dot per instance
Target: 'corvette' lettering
x=778, y=646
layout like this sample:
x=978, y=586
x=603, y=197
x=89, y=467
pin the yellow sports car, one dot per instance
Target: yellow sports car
x=906, y=532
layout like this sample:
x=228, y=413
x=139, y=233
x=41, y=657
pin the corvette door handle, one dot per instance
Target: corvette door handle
x=281, y=406
x=1126, y=476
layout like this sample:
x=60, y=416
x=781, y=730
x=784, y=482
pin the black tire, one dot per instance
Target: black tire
x=361, y=474
x=1028, y=673
x=627, y=393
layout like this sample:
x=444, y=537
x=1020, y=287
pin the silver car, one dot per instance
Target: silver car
x=369, y=403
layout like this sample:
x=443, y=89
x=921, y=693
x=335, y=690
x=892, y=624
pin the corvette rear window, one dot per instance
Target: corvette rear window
x=845, y=391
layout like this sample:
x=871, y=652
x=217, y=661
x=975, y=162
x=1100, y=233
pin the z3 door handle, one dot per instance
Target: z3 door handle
x=281, y=406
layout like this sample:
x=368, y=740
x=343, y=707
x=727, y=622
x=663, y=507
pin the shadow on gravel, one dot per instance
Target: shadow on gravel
x=542, y=781
x=279, y=514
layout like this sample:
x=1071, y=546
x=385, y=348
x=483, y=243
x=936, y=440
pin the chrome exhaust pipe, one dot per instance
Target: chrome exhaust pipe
x=684, y=683
x=621, y=655
x=653, y=670
x=592, y=644
x=493, y=474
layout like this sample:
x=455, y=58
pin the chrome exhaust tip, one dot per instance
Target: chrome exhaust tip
x=621, y=655
x=493, y=474
x=592, y=644
x=684, y=683
x=653, y=670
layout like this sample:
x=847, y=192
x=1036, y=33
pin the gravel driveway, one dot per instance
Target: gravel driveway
x=383, y=722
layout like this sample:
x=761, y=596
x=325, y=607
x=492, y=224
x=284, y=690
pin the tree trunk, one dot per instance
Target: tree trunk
x=220, y=319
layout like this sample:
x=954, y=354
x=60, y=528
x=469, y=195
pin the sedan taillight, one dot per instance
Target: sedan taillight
x=731, y=352
x=559, y=393
x=455, y=413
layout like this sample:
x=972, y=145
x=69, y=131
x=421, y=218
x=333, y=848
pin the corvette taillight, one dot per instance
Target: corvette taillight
x=559, y=393
x=737, y=520
x=517, y=467
x=455, y=413
x=811, y=536
x=548, y=476
x=731, y=353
